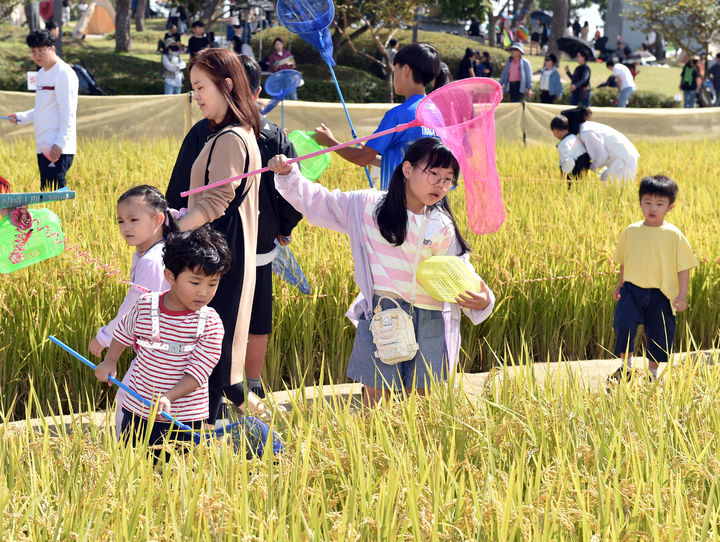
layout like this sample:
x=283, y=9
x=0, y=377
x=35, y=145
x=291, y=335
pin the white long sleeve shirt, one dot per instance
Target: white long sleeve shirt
x=570, y=149
x=605, y=144
x=54, y=114
x=174, y=66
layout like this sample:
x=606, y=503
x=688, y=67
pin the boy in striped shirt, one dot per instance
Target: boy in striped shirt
x=176, y=336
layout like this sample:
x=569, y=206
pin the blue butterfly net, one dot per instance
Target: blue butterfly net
x=310, y=19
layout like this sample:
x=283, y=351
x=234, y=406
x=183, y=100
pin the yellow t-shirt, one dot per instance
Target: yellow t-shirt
x=653, y=256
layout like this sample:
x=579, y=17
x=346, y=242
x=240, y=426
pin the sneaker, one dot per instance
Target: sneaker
x=259, y=391
x=622, y=373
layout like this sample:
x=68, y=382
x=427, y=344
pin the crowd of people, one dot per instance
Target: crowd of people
x=201, y=333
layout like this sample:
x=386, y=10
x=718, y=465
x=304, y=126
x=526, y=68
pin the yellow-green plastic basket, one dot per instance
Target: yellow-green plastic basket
x=311, y=168
x=39, y=246
x=444, y=277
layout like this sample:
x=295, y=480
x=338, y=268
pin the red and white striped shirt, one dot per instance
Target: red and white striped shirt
x=156, y=372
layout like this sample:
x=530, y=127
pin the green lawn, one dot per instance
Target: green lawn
x=140, y=71
x=664, y=81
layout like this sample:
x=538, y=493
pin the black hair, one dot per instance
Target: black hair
x=610, y=62
x=202, y=251
x=50, y=25
x=252, y=70
x=658, y=185
x=197, y=23
x=582, y=53
x=392, y=43
x=154, y=199
x=552, y=58
x=211, y=36
x=424, y=62
x=278, y=40
x=40, y=38
x=469, y=52
x=486, y=54
x=443, y=78
x=391, y=212
x=560, y=123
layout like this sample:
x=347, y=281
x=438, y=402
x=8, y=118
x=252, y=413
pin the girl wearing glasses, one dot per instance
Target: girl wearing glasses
x=387, y=229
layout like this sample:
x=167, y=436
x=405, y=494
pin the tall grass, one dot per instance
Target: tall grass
x=521, y=461
x=550, y=231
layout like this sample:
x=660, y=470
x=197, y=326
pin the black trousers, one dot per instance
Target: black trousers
x=52, y=174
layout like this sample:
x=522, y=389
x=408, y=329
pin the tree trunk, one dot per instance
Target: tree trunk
x=140, y=16
x=123, y=42
x=559, y=23
x=492, y=18
x=58, y=18
x=33, y=16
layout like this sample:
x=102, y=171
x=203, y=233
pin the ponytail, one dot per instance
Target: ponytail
x=154, y=199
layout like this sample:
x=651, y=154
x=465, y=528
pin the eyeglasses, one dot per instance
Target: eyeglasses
x=435, y=180
x=35, y=51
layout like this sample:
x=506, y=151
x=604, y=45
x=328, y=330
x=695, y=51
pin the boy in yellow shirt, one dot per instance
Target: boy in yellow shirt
x=655, y=260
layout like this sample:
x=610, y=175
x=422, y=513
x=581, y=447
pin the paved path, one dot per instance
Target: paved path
x=592, y=372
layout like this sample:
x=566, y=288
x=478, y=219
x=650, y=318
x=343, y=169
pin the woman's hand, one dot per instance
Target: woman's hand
x=278, y=164
x=475, y=300
x=284, y=240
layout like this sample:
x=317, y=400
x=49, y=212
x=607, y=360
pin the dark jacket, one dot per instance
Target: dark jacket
x=277, y=216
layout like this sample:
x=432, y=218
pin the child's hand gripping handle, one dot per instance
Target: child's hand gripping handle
x=137, y=396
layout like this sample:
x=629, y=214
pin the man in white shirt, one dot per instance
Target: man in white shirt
x=625, y=81
x=612, y=154
x=56, y=99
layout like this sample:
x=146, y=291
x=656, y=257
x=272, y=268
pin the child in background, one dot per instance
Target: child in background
x=574, y=158
x=655, y=260
x=415, y=66
x=390, y=232
x=176, y=336
x=144, y=221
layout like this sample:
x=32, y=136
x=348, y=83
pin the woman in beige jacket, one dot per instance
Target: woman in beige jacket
x=223, y=95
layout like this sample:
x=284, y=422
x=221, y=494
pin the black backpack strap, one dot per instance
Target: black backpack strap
x=240, y=192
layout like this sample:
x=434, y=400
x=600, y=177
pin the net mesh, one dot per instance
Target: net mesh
x=462, y=115
x=310, y=19
x=282, y=82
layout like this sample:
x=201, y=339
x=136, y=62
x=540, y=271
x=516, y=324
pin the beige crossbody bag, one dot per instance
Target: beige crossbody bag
x=392, y=329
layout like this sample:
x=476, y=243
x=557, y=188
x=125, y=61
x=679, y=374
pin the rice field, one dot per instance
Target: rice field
x=551, y=233
x=519, y=461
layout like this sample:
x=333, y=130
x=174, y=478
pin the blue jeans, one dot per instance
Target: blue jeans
x=575, y=98
x=689, y=96
x=624, y=96
x=171, y=89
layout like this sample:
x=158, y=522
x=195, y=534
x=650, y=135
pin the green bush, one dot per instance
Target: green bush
x=357, y=86
x=607, y=97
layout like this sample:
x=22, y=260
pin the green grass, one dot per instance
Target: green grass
x=664, y=81
x=140, y=71
x=550, y=232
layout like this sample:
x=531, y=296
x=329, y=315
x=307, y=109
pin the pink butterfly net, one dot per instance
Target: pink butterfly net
x=462, y=115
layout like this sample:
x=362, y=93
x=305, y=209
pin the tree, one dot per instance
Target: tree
x=123, y=41
x=558, y=25
x=381, y=18
x=690, y=24
x=464, y=9
x=140, y=16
